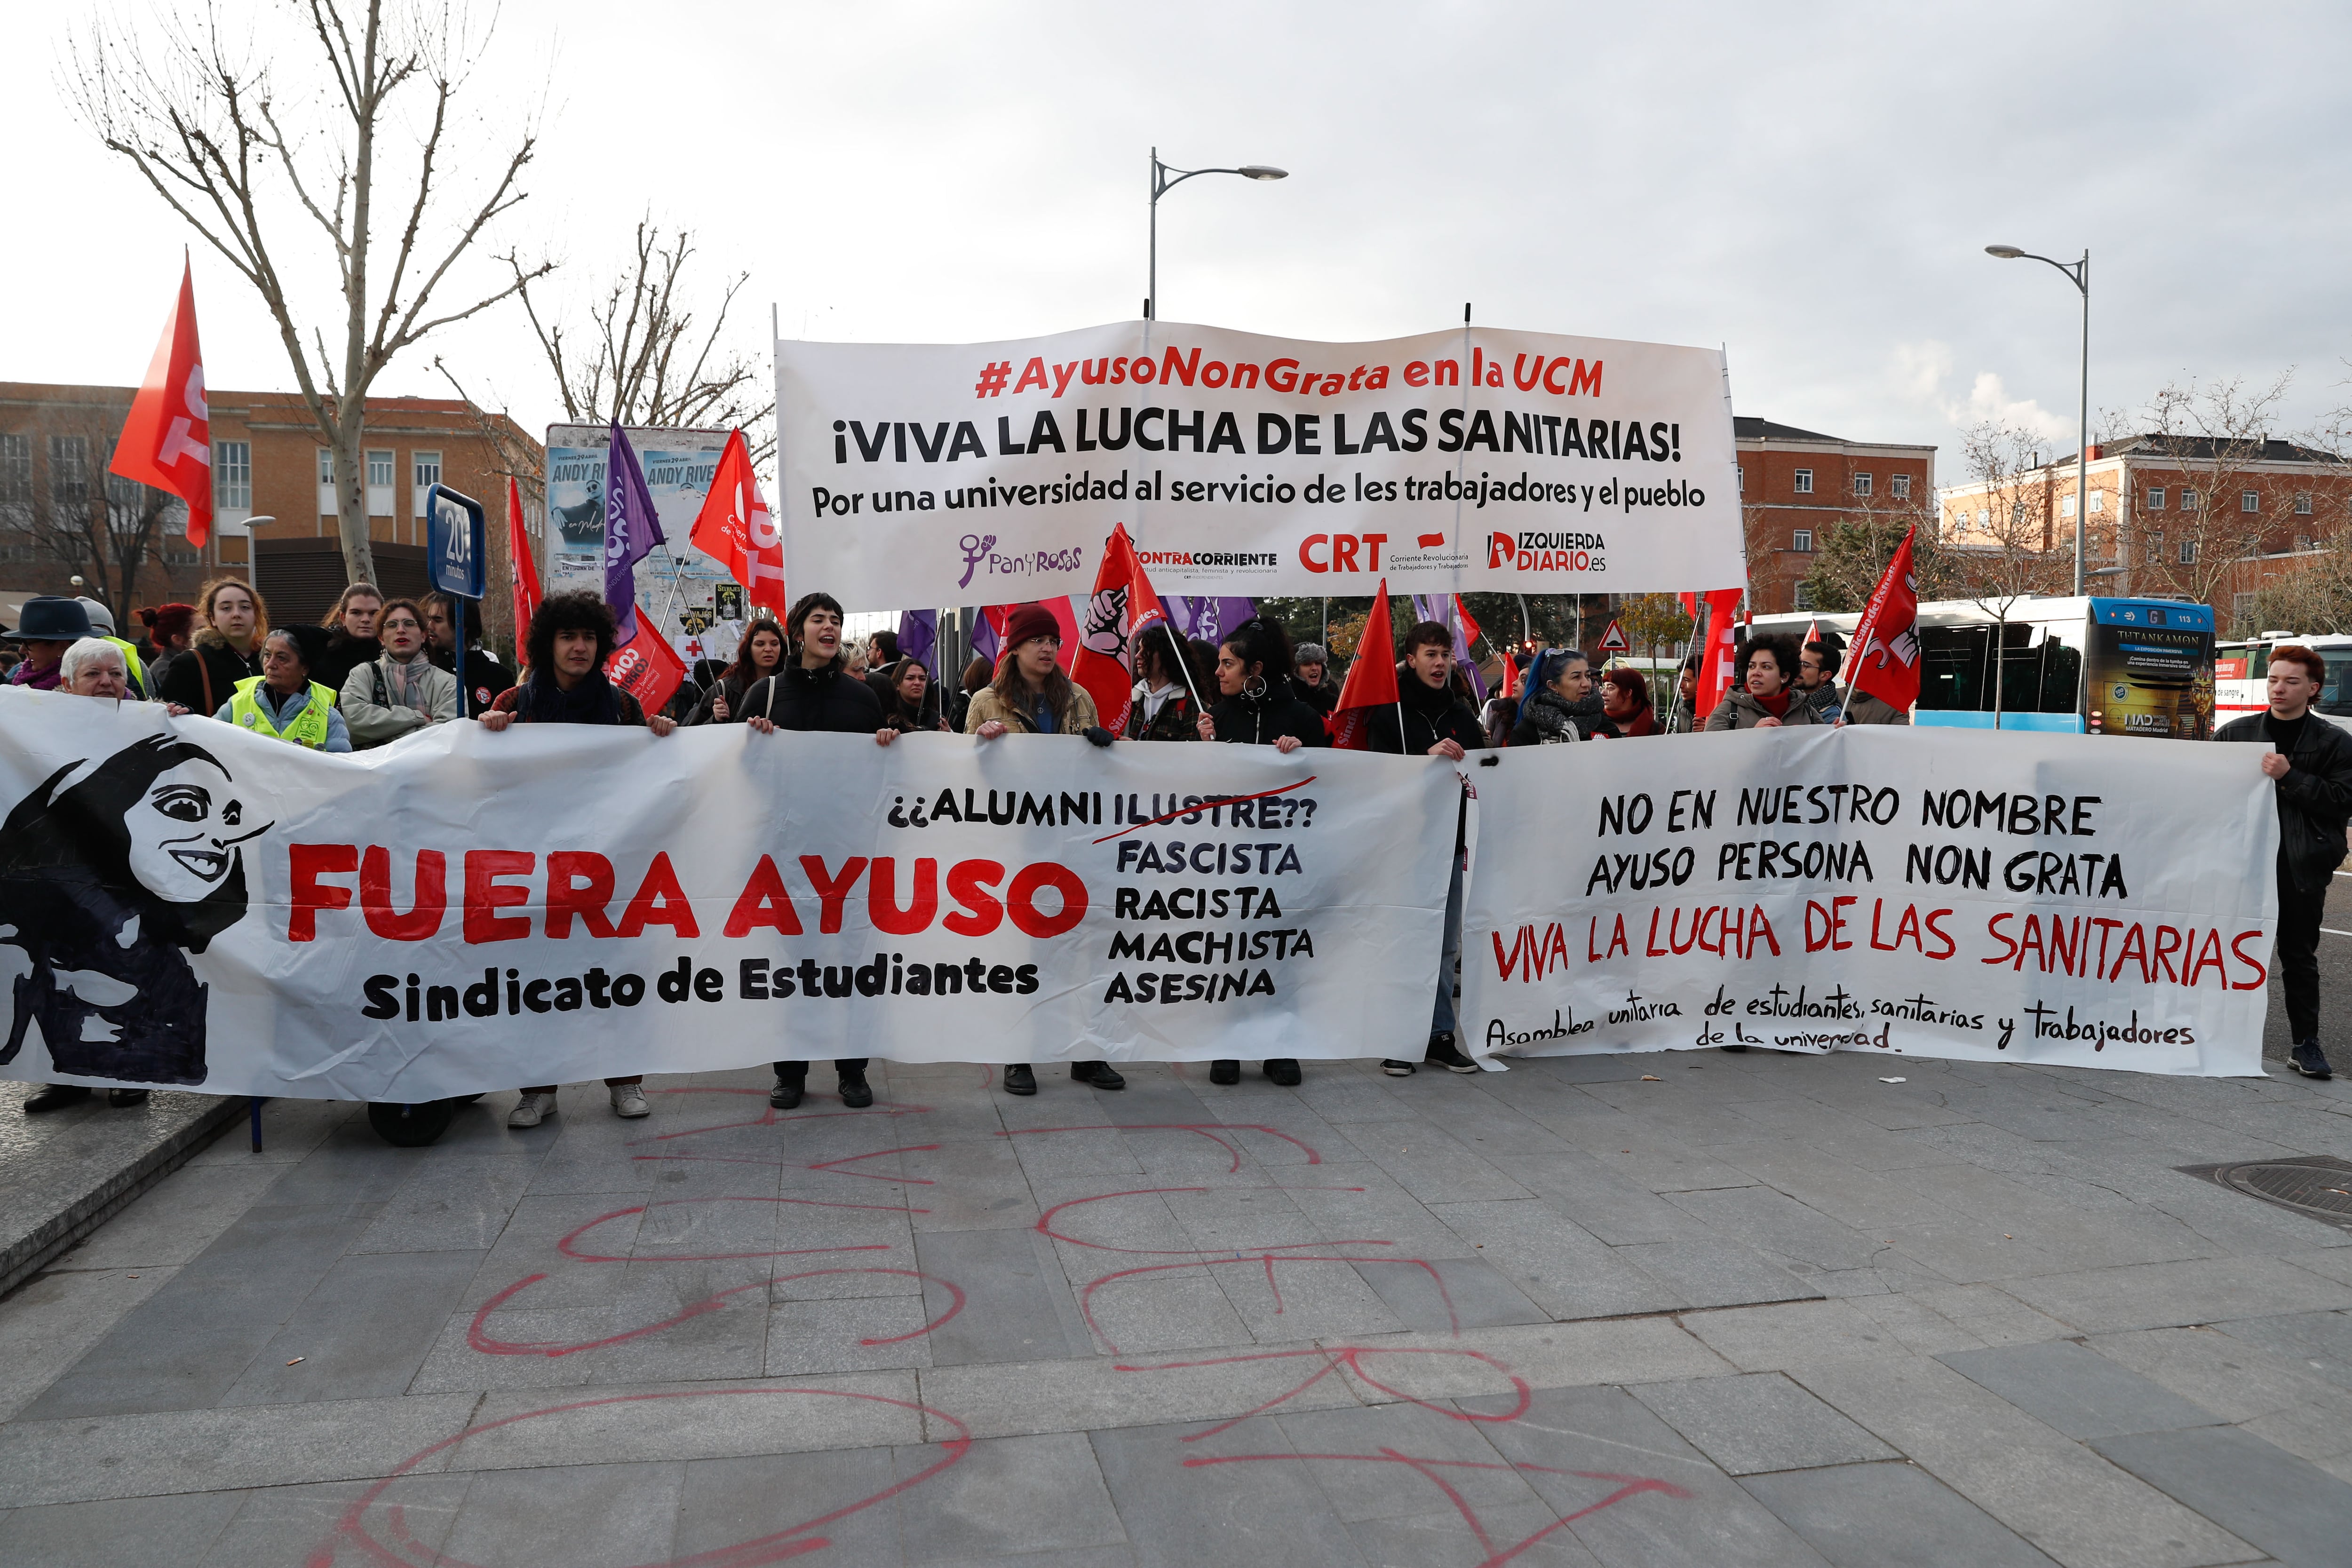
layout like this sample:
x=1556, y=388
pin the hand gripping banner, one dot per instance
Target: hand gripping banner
x=1475, y=458
x=181, y=903
x=1922, y=892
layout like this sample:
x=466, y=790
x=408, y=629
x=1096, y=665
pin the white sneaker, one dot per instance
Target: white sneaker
x=531, y=1109
x=629, y=1099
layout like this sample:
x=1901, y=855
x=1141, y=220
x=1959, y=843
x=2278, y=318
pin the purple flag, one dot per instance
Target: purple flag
x=1429, y=607
x=632, y=529
x=1208, y=618
x=1463, y=658
x=918, y=636
x=983, y=637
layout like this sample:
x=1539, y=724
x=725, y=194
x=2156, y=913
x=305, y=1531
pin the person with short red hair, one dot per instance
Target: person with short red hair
x=2310, y=769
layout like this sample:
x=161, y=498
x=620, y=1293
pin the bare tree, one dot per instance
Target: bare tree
x=646, y=355
x=203, y=120
x=98, y=527
x=2211, y=434
x=2008, y=550
x=1851, y=555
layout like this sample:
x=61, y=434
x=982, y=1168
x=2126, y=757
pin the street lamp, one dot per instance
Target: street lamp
x=2079, y=274
x=1160, y=185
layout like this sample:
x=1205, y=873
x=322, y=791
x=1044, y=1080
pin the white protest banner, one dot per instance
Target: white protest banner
x=1478, y=459
x=1927, y=892
x=182, y=902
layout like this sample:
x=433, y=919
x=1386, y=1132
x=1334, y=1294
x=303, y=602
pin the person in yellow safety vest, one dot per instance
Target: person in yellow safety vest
x=101, y=621
x=283, y=702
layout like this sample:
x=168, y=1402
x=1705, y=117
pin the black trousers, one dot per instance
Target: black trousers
x=797, y=1072
x=2298, y=955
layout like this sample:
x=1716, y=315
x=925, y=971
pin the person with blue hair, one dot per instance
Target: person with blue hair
x=1560, y=682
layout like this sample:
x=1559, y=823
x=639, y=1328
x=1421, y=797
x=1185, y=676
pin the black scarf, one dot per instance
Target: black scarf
x=592, y=701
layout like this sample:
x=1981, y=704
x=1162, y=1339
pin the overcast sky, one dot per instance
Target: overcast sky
x=1811, y=185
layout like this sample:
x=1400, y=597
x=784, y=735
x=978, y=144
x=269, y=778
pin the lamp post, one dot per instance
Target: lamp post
x=1160, y=185
x=2078, y=273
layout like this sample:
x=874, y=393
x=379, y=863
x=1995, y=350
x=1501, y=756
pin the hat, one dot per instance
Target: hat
x=51, y=617
x=99, y=616
x=1310, y=653
x=1026, y=621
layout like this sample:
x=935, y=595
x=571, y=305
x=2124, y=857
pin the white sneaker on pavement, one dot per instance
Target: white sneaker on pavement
x=531, y=1109
x=629, y=1099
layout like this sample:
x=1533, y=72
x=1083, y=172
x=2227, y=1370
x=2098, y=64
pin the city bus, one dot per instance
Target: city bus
x=2241, y=668
x=2068, y=665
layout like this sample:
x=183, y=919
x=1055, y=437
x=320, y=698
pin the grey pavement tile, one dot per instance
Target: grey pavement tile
x=1990, y=1315
x=86, y=1460
x=2076, y=1390
x=459, y=1206
x=152, y=1360
x=174, y=1220
x=1240, y=1496
x=1890, y=1516
x=573, y=1516
x=1355, y=1456
x=1923, y=1407
x=363, y=1332
x=1362, y=1205
x=2257, y=1492
x=976, y=1184
x=772, y=1499
x=259, y=1268
x=2320, y=1341
x=1775, y=1223
x=1759, y=1423
x=1554, y=1262
x=2334, y=1263
x=1015, y=1300
x=1633, y=1491
x=126, y=1532
x=1179, y=1305
x=2084, y=1511
x=1016, y=1399
x=351, y=1165
x=1568, y=1355
x=809, y=1337
x=2166, y=1295
x=292, y=1526
x=521, y=1429
x=1448, y=1294
x=1005, y=1498
x=605, y=1224
x=1429, y=1162
x=1720, y=1272
x=1531, y=1534
x=1242, y=1219
x=1612, y=1207
x=1312, y=1293
x=47, y=1323
x=1773, y=1337
x=290, y=1130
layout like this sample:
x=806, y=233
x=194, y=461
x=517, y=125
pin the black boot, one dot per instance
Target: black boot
x=118, y=1097
x=786, y=1094
x=855, y=1091
x=1019, y=1079
x=54, y=1096
x=1283, y=1071
x=1444, y=1054
x=1226, y=1072
x=1100, y=1074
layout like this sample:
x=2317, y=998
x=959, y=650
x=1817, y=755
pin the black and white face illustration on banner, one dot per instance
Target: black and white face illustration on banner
x=107, y=883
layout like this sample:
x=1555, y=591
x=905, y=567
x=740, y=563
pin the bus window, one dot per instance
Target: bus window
x=2335, y=696
x=1951, y=668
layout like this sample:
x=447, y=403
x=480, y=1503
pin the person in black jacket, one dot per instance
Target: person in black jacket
x=1430, y=720
x=1313, y=681
x=759, y=653
x=2311, y=767
x=1559, y=684
x=351, y=639
x=1257, y=706
x=487, y=675
x=1165, y=708
x=815, y=691
x=225, y=651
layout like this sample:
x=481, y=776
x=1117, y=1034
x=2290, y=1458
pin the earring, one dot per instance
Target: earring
x=1254, y=687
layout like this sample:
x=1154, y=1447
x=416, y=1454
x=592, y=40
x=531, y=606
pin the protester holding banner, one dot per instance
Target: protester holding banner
x=1625, y=704
x=569, y=643
x=907, y=706
x=487, y=675
x=761, y=654
x=398, y=692
x=224, y=652
x=1767, y=696
x=283, y=703
x=1558, y=683
x=814, y=691
x=1257, y=705
x=1032, y=696
x=352, y=635
x=2310, y=767
x=1164, y=708
x=1428, y=719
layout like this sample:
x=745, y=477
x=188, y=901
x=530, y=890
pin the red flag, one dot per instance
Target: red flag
x=1121, y=605
x=1886, y=661
x=1371, y=679
x=1690, y=604
x=1715, y=671
x=167, y=438
x=734, y=529
x=525, y=568
x=646, y=667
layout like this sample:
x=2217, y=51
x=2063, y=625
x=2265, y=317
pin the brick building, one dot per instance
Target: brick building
x=1795, y=484
x=2170, y=516
x=61, y=515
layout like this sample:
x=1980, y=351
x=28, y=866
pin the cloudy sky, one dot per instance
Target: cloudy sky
x=1810, y=184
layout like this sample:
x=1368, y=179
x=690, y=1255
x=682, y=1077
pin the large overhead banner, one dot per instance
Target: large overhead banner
x=1477, y=458
x=1900, y=892
x=184, y=902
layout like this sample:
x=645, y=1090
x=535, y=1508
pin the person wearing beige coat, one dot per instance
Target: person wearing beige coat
x=401, y=690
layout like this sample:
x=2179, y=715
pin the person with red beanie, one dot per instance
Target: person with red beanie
x=1032, y=696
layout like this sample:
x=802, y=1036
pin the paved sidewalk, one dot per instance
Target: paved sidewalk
x=1762, y=1309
